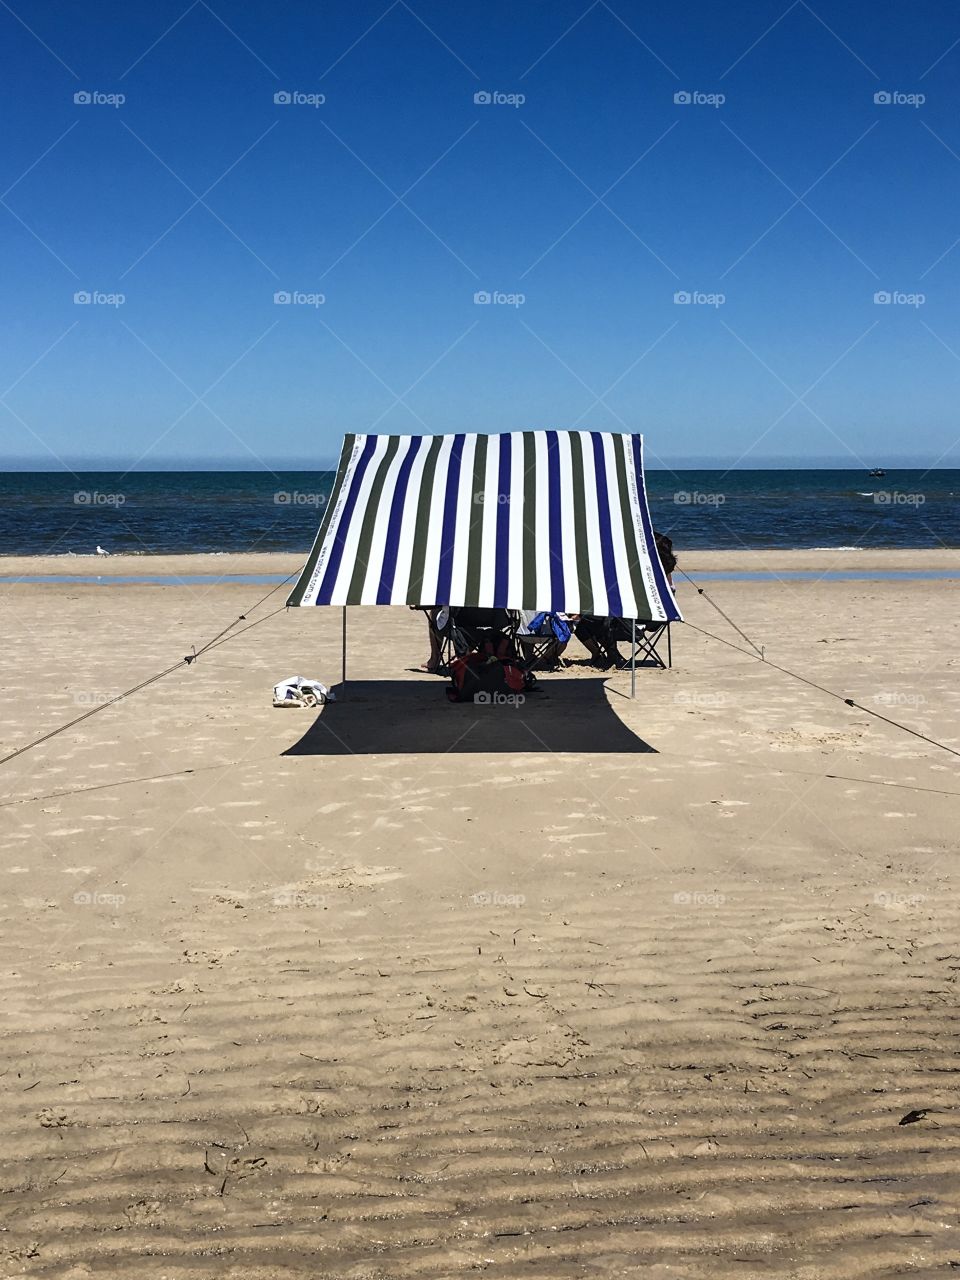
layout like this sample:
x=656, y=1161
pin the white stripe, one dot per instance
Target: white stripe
x=342, y=586
x=464, y=514
x=313, y=586
x=488, y=531
x=431, y=565
x=628, y=603
x=401, y=579
x=600, y=606
x=515, y=598
x=542, y=544
x=568, y=533
x=374, y=573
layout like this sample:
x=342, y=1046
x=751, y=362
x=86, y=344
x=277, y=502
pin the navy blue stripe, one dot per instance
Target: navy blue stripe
x=614, y=602
x=445, y=571
x=336, y=552
x=502, y=562
x=663, y=586
x=555, y=543
x=392, y=546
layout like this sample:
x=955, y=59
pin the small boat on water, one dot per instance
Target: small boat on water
x=878, y=472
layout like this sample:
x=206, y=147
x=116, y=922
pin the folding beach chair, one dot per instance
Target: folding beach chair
x=538, y=649
x=463, y=629
x=649, y=636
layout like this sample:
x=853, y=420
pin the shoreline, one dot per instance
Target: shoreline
x=227, y=565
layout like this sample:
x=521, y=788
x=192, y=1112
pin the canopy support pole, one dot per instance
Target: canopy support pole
x=633, y=657
x=343, y=652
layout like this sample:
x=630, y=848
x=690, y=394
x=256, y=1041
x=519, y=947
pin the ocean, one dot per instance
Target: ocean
x=170, y=512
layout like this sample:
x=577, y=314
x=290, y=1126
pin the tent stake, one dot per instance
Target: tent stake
x=633, y=657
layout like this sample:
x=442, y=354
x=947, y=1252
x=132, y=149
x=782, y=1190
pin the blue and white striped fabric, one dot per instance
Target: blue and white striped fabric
x=545, y=520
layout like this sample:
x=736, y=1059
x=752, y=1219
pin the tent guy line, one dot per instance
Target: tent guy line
x=850, y=702
x=187, y=660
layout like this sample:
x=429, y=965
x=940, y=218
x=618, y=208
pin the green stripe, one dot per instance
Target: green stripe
x=475, y=542
x=629, y=529
x=529, y=521
x=296, y=595
x=371, y=515
x=580, y=523
x=422, y=526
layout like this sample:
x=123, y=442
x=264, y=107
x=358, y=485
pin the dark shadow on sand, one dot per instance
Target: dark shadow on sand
x=399, y=717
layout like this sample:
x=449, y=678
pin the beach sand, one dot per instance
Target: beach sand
x=587, y=987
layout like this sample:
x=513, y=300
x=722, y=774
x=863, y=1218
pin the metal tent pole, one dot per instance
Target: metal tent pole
x=633, y=657
x=343, y=652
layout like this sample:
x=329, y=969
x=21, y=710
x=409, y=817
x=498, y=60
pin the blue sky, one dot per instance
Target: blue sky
x=582, y=211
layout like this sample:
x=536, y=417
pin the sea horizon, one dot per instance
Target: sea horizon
x=64, y=513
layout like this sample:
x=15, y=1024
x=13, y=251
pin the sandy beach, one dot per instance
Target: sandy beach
x=587, y=987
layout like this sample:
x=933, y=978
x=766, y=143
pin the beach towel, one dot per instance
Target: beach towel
x=298, y=691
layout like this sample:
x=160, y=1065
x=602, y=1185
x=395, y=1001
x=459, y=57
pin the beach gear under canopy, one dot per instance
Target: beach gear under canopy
x=553, y=521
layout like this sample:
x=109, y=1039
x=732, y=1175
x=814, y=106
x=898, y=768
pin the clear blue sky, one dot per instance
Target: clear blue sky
x=598, y=198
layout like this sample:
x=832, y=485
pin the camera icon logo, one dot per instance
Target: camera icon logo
x=681, y=298
x=282, y=98
x=281, y=298
x=883, y=98
x=682, y=98
x=82, y=298
x=481, y=298
x=882, y=298
x=82, y=98
x=483, y=98
x=483, y=699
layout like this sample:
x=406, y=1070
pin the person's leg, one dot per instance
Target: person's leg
x=587, y=632
x=609, y=643
x=433, y=664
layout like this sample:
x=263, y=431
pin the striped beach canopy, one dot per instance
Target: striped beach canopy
x=553, y=520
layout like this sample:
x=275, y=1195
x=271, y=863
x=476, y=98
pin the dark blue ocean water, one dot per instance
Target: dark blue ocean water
x=44, y=513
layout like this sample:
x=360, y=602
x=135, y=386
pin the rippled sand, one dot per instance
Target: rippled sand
x=588, y=987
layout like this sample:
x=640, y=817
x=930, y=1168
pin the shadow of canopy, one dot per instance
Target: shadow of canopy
x=399, y=717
